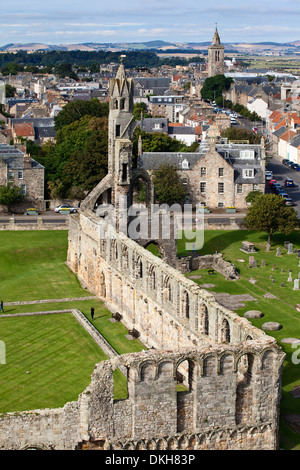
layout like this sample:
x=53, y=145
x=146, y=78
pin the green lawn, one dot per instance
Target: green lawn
x=49, y=361
x=56, y=350
x=33, y=266
x=279, y=310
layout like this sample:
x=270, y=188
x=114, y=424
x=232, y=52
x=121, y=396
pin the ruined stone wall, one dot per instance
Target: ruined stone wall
x=230, y=370
x=155, y=415
x=169, y=310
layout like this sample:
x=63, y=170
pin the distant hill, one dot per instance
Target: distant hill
x=147, y=45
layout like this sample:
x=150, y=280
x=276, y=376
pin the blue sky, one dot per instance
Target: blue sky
x=74, y=21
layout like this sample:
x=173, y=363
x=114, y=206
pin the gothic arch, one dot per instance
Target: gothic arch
x=143, y=176
x=204, y=321
x=168, y=294
x=185, y=304
x=225, y=331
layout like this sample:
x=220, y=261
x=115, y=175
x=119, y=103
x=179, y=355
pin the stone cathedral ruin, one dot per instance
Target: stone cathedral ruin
x=231, y=370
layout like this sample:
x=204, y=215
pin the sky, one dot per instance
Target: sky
x=74, y=21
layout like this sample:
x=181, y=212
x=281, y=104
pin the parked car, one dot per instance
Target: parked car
x=289, y=201
x=295, y=166
x=289, y=163
x=289, y=182
x=65, y=206
x=284, y=161
x=273, y=181
x=269, y=175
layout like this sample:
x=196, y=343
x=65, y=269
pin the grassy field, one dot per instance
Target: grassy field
x=55, y=349
x=279, y=310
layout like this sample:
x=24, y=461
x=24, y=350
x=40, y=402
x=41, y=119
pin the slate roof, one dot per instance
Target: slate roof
x=148, y=124
x=14, y=158
x=296, y=142
x=280, y=131
x=230, y=153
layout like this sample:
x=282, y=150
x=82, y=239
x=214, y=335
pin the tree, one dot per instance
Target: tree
x=241, y=134
x=252, y=196
x=168, y=187
x=139, y=108
x=213, y=87
x=77, y=109
x=10, y=195
x=10, y=91
x=269, y=214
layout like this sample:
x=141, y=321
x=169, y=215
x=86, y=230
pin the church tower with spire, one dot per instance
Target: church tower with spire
x=215, y=56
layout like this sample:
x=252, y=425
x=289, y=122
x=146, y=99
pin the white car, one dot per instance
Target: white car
x=65, y=206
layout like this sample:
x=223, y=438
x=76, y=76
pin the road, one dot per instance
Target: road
x=280, y=173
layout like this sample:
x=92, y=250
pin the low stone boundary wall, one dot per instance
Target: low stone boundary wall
x=34, y=224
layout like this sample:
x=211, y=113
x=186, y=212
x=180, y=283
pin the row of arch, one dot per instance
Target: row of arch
x=212, y=364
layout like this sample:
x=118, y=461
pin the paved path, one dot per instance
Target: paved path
x=31, y=302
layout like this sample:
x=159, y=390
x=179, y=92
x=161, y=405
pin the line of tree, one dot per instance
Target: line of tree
x=51, y=61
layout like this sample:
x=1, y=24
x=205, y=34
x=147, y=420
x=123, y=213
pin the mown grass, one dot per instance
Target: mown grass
x=33, y=266
x=55, y=349
x=279, y=310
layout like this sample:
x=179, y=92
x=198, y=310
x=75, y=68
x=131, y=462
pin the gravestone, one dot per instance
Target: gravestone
x=282, y=270
x=278, y=251
x=273, y=267
x=268, y=246
x=290, y=249
x=254, y=264
x=296, y=284
x=286, y=245
x=248, y=247
x=263, y=263
x=251, y=259
x=282, y=284
x=290, y=278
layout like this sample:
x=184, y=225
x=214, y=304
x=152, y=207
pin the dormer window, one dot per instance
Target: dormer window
x=248, y=173
x=185, y=165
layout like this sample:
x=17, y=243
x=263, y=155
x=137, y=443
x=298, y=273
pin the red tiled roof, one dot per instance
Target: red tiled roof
x=24, y=129
x=287, y=135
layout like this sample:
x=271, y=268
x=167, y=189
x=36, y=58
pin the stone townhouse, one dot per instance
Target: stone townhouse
x=19, y=169
x=218, y=175
x=169, y=106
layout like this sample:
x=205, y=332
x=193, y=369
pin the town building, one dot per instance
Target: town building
x=19, y=169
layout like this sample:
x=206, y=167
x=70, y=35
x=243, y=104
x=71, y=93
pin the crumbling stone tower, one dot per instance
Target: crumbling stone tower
x=215, y=56
x=117, y=188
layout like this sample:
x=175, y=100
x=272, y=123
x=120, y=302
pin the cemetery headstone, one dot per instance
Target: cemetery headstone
x=286, y=245
x=254, y=264
x=251, y=259
x=290, y=249
x=290, y=278
x=296, y=284
x=268, y=246
x=273, y=267
x=263, y=263
x=278, y=251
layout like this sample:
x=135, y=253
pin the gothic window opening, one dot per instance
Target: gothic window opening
x=186, y=304
x=118, y=130
x=124, y=172
x=225, y=331
x=204, y=319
